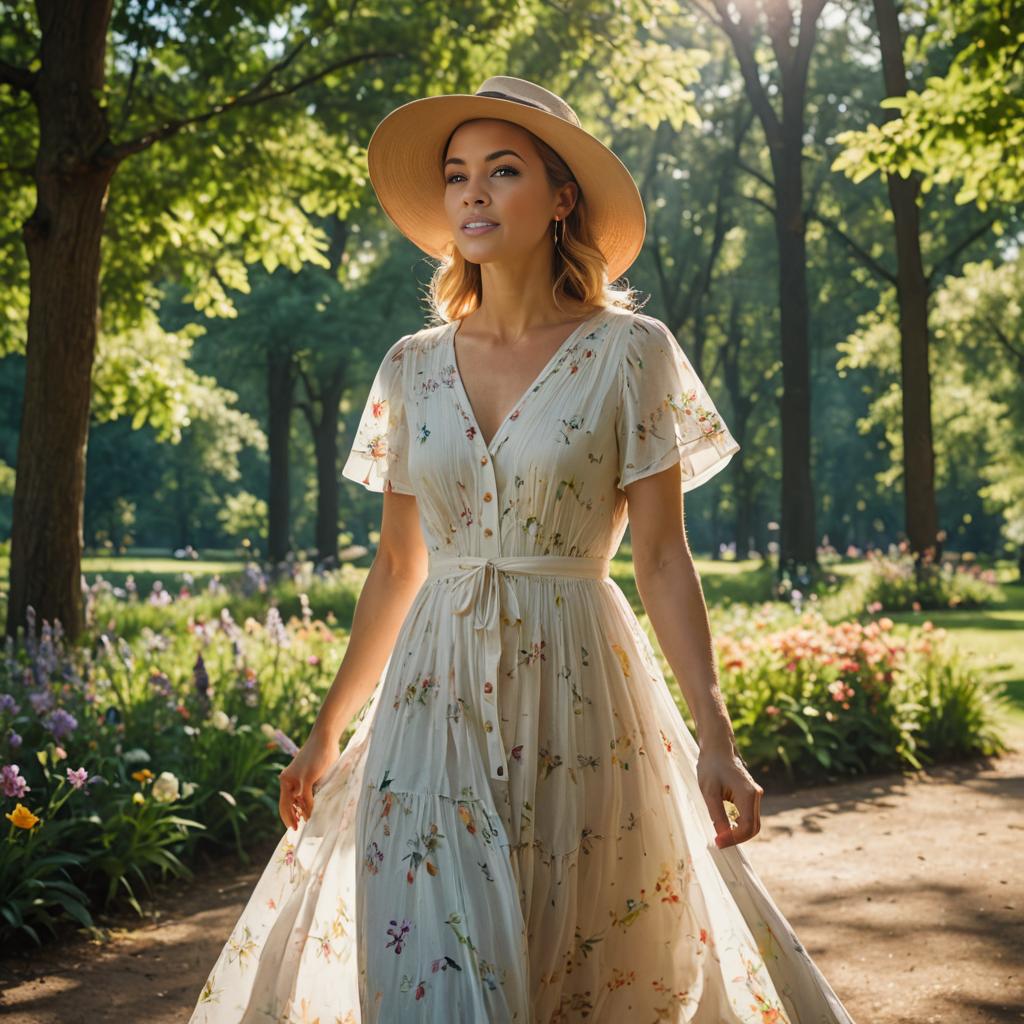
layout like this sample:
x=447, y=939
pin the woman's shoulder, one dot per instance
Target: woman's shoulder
x=425, y=339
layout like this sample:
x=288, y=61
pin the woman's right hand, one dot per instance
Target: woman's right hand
x=308, y=767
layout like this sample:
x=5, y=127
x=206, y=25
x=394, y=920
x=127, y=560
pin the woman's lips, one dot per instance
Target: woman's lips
x=481, y=230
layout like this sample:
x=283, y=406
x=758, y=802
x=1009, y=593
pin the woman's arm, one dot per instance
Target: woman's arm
x=669, y=587
x=398, y=570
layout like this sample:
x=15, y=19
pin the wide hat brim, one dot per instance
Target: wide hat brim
x=404, y=159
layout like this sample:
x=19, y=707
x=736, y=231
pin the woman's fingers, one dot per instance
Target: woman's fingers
x=749, y=821
x=288, y=801
x=746, y=797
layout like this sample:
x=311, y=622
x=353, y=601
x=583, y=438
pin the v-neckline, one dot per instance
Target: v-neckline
x=453, y=328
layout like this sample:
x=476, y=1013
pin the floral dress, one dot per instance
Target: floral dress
x=514, y=831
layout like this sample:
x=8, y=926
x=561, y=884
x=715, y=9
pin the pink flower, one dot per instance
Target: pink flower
x=78, y=777
x=13, y=782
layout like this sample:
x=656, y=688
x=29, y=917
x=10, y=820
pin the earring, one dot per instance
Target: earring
x=555, y=232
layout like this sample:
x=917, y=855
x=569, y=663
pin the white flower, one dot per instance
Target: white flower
x=188, y=789
x=165, y=788
x=220, y=720
x=268, y=730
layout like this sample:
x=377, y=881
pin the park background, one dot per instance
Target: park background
x=197, y=285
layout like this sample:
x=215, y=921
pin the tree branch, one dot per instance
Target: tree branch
x=862, y=254
x=742, y=36
x=755, y=173
x=18, y=78
x=249, y=98
x=1006, y=342
x=948, y=259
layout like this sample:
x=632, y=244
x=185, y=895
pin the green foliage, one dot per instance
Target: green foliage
x=36, y=886
x=826, y=701
x=977, y=395
x=243, y=515
x=897, y=583
x=965, y=126
x=175, y=730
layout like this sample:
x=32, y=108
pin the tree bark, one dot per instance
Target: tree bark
x=920, y=510
x=62, y=241
x=798, y=528
x=321, y=412
x=280, y=402
x=325, y=438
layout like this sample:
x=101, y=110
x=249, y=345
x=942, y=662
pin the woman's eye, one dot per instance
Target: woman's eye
x=504, y=167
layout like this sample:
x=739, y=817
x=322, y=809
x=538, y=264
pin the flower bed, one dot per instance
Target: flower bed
x=814, y=700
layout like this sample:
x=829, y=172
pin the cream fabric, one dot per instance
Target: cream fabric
x=514, y=831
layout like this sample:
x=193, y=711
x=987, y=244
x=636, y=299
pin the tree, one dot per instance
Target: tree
x=965, y=125
x=792, y=45
x=82, y=144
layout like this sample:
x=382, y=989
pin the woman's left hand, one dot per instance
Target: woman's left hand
x=722, y=775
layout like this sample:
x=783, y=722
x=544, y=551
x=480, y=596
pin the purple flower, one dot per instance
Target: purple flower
x=161, y=684
x=61, y=723
x=285, y=743
x=41, y=701
x=78, y=777
x=9, y=704
x=276, y=628
x=13, y=783
x=398, y=932
x=13, y=739
x=228, y=625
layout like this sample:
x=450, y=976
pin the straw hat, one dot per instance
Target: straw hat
x=405, y=152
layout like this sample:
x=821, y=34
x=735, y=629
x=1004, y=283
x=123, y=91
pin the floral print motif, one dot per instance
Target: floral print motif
x=585, y=886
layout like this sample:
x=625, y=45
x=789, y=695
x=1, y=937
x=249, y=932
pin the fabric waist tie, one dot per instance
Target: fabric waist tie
x=479, y=590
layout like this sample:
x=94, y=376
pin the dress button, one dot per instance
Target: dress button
x=487, y=531
x=483, y=460
x=488, y=496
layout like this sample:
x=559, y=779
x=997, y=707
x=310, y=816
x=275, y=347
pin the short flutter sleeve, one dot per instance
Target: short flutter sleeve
x=665, y=414
x=379, y=457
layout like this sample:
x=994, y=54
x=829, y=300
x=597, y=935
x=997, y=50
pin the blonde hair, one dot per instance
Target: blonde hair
x=580, y=272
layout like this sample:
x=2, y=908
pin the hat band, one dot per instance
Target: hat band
x=516, y=99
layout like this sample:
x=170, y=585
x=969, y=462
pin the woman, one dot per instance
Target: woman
x=521, y=827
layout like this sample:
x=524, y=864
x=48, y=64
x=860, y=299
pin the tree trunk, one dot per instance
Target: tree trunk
x=920, y=512
x=325, y=440
x=792, y=45
x=62, y=242
x=798, y=531
x=280, y=400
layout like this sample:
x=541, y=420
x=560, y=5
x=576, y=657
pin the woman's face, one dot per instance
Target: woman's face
x=494, y=173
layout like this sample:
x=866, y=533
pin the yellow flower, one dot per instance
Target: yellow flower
x=138, y=798
x=623, y=659
x=142, y=775
x=22, y=817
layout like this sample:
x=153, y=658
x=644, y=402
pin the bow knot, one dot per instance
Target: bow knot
x=482, y=588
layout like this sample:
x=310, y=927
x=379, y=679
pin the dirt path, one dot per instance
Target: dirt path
x=906, y=890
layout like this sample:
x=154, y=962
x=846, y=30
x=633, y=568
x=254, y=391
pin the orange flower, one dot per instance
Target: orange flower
x=142, y=775
x=22, y=817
